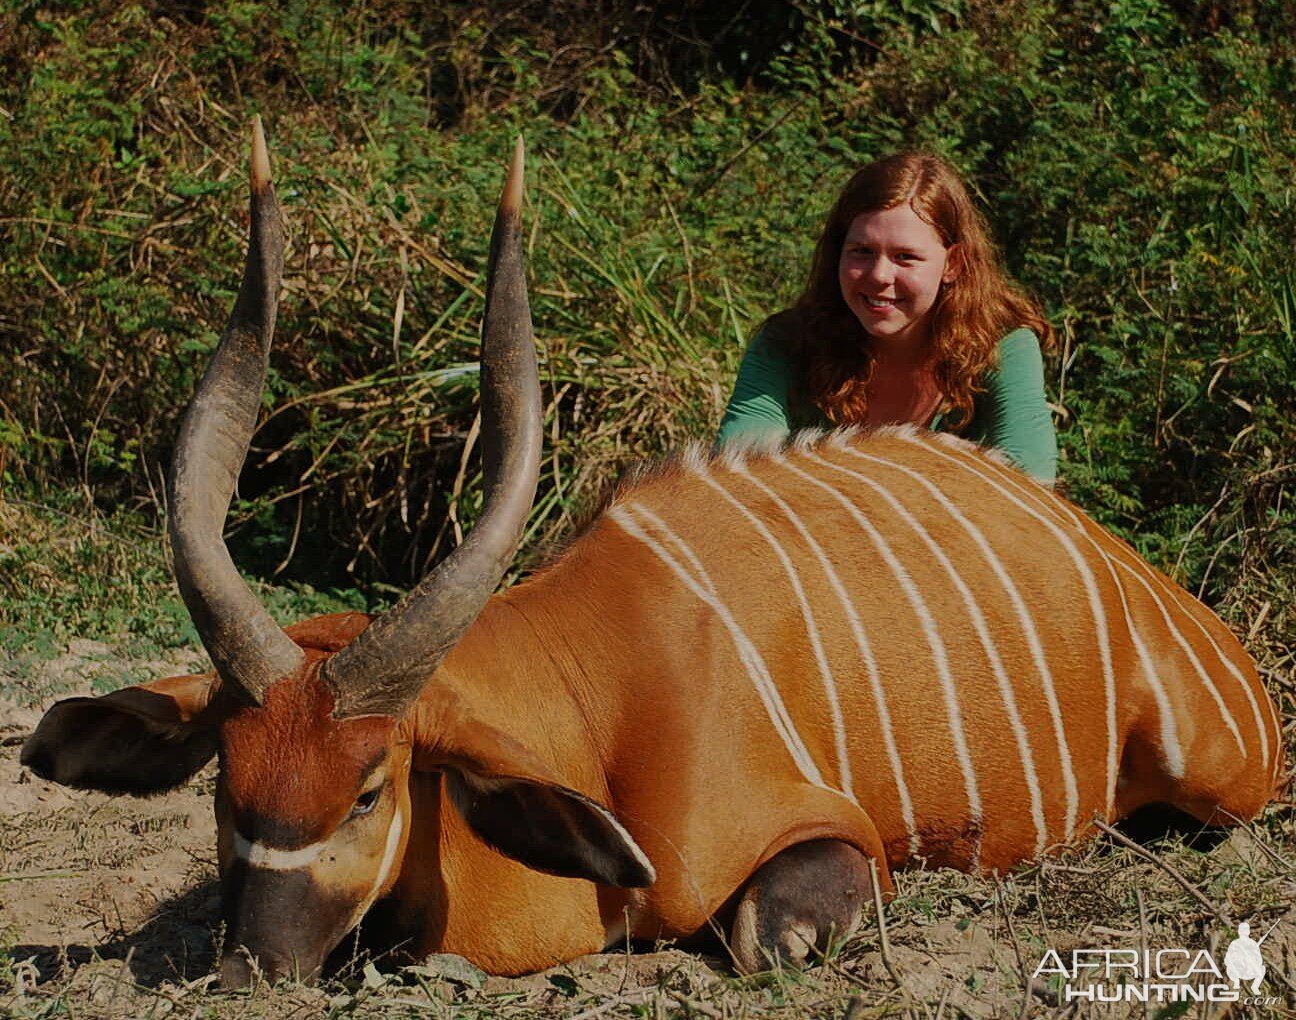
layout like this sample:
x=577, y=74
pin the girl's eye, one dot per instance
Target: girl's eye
x=365, y=802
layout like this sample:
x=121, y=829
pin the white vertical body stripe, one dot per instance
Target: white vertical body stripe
x=1025, y=755
x=1141, y=570
x=1029, y=630
x=747, y=652
x=932, y=633
x=811, y=626
x=1170, y=746
x=699, y=570
x=866, y=653
x=1228, y=663
x=1186, y=648
x=1091, y=590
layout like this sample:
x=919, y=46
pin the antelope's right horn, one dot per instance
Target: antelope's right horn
x=245, y=644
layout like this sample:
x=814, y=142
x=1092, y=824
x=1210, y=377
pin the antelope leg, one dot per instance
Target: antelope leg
x=800, y=905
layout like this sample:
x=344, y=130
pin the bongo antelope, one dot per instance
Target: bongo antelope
x=751, y=677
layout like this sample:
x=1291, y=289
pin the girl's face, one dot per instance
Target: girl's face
x=891, y=270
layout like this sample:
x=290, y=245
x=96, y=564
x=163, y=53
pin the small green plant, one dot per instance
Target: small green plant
x=97, y=590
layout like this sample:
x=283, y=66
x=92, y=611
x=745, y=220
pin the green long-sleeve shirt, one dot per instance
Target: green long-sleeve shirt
x=1009, y=414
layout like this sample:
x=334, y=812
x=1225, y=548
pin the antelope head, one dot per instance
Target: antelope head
x=311, y=724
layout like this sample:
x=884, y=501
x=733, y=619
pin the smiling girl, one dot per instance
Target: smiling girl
x=907, y=317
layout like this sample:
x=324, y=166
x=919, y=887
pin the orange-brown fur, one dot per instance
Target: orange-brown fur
x=291, y=767
x=602, y=675
x=677, y=736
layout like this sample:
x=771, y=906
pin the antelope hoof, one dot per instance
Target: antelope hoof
x=800, y=905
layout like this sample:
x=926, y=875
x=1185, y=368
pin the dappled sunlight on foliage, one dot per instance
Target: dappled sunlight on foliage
x=1135, y=160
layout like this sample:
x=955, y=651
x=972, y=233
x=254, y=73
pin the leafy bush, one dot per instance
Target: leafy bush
x=1135, y=158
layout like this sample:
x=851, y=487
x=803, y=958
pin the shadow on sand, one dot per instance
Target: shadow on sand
x=175, y=944
x=180, y=941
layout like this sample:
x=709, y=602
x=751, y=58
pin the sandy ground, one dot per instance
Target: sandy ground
x=84, y=874
x=109, y=908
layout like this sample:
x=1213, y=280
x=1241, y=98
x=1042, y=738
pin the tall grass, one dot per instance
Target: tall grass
x=1134, y=158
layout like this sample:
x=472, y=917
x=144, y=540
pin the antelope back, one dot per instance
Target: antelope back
x=905, y=623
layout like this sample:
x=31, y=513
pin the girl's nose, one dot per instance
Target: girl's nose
x=880, y=271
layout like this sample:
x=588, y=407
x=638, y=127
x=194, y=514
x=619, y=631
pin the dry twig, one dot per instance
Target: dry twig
x=1120, y=837
x=884, y=942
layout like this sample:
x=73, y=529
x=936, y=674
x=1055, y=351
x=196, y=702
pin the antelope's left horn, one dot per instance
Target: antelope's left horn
x=382, y=671
x=246, y=645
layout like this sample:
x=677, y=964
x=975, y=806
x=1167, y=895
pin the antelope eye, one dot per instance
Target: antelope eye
x=366, y=801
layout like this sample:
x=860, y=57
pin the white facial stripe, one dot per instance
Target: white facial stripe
x=394, y=829
x=261, y=856
x=1028, y=630
x=751, y=659
x=940, y=657
x=812, y=632
x=1086, y=575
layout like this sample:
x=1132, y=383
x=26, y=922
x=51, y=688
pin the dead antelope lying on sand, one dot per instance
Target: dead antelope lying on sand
x=749, y=678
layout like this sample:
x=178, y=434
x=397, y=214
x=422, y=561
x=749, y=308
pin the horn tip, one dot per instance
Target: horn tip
x=511, y=200
x=260, y=157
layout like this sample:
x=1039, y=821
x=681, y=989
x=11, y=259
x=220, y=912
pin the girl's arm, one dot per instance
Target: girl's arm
x=1012, y=414
x=758, y=407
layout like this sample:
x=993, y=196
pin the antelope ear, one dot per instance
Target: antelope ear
x=139, y=740
x=550, y=828
x=329, y=633
x=511, y=802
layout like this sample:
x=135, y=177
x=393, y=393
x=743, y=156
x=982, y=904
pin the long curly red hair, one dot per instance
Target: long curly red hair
x=833, y=353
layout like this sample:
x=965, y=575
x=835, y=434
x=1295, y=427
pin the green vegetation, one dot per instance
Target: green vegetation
x=1135, y=158
x=104, y=582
